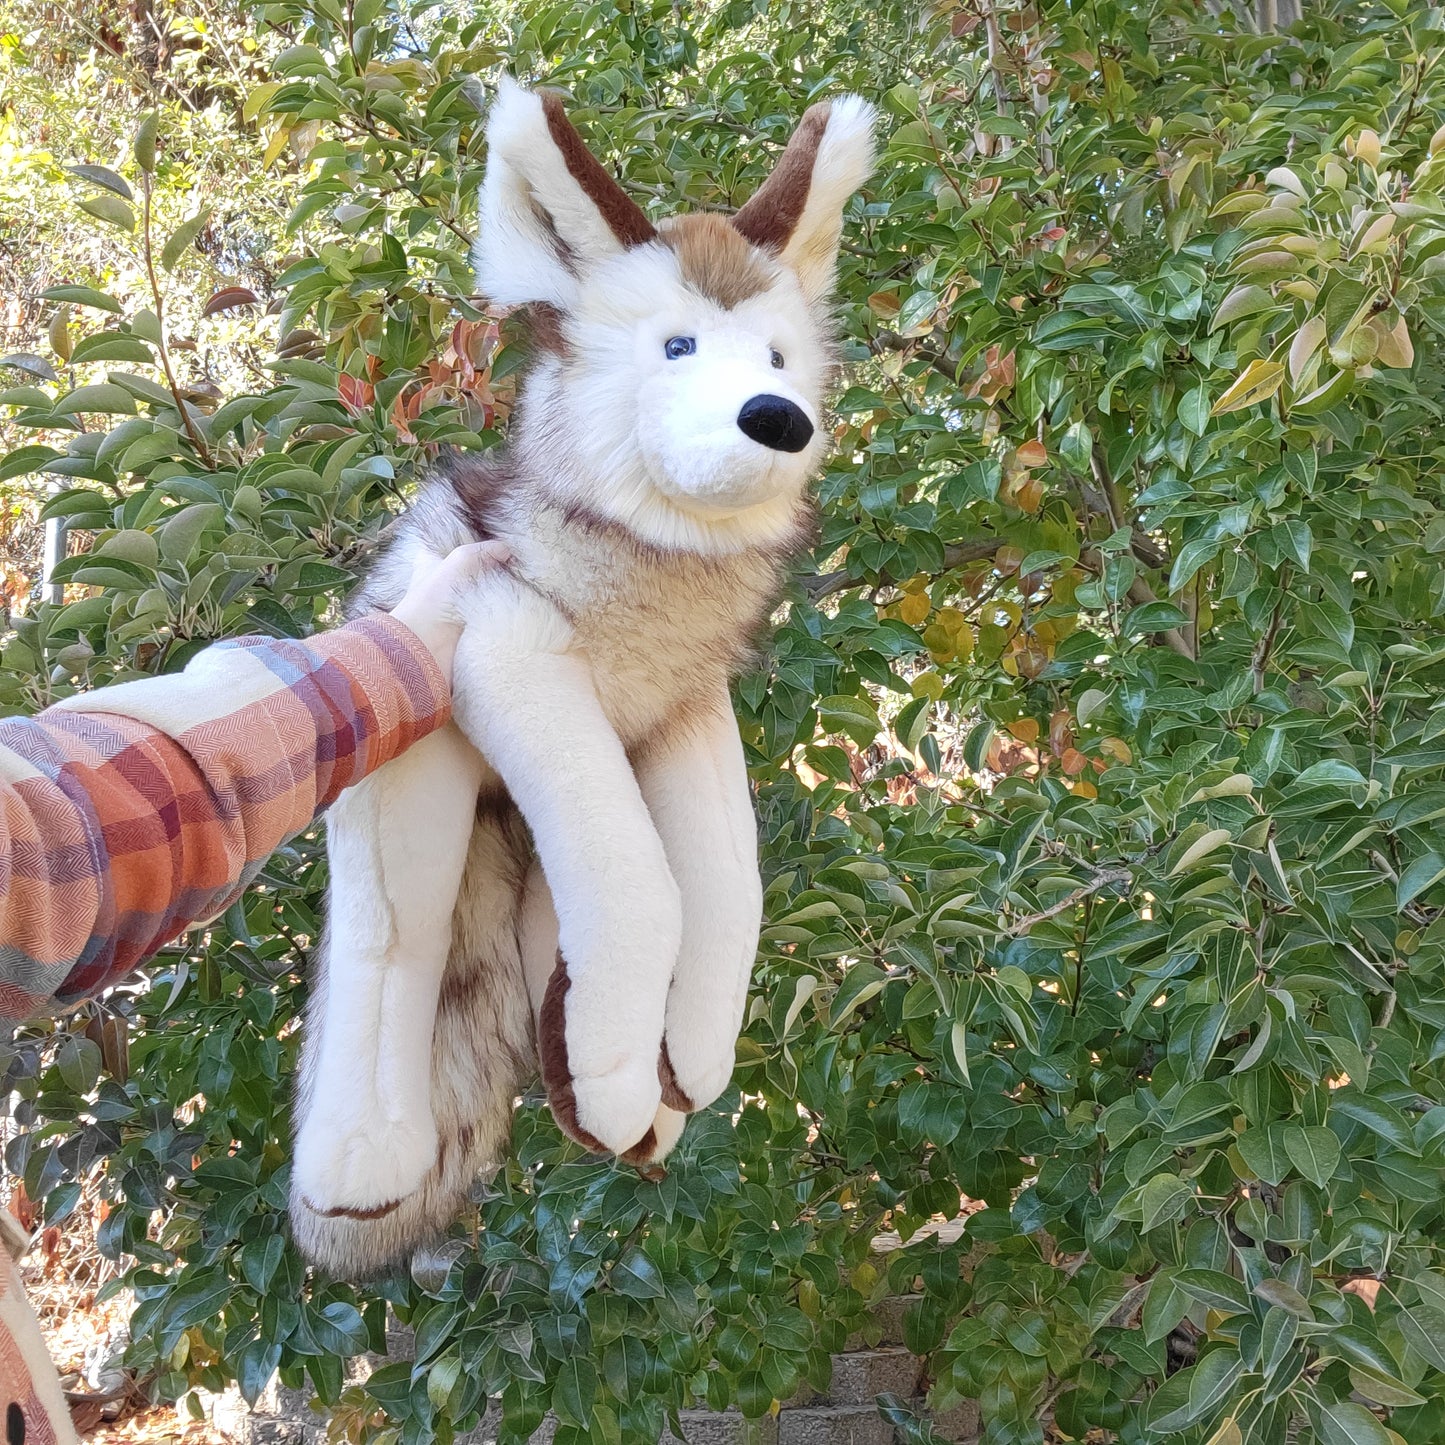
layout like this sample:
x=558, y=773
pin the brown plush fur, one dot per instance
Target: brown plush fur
x=619, y=210
x=773, y=213
x=715, y=260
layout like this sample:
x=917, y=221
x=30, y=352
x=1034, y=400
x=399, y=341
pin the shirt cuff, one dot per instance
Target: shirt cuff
x=398, y=674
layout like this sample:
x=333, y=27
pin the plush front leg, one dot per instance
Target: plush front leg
x=526, y=698
x=537, y=936
x=696, y=787
x=396, y=846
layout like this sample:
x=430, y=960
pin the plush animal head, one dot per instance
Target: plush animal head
x=681, y=385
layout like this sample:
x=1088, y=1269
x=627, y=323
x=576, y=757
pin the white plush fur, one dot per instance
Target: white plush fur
x=396, y=846
x=658, y=445
x=697, y=793
x=526, y=187
x=526, y=699
x=845, y=159
x=590, y=690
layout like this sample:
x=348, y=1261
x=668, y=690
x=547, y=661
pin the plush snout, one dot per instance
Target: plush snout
x=712, y=437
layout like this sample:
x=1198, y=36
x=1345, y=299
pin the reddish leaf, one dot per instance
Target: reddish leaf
x=356, y=395
x=229, y=297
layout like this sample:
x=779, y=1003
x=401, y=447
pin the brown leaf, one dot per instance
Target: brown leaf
x=229, y=297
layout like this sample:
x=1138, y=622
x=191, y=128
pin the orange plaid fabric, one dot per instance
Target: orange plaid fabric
x=130, y=813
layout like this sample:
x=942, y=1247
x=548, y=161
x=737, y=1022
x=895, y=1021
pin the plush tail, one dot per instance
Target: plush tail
x=376, y=1176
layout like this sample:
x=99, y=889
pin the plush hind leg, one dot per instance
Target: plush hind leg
x=396, y=846
x=481, y=1055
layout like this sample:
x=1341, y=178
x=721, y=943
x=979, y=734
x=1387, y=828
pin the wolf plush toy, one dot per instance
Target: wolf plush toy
x=568, y=873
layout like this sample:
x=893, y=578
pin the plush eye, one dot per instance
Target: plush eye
x=778, y=359
x=677, y=346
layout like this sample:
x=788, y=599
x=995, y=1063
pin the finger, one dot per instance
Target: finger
x=476, y=557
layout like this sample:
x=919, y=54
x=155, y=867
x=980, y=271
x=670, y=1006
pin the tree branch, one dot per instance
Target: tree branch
x=956, y=554
x=1260, y=658
x=1102, y=879
x=202, y=450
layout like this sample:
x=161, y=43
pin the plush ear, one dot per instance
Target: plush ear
x=548, y=207
x=797, y=214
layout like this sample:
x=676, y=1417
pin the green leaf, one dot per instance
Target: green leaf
x=853, y=716
x=1331, y=772
x=1315, y=1152
x=862, y=982
x=1345, y=1423
x=637, y=1276
x=1256, y=383
x=1264, y=1151
x=29, y=363
x=575, y=1391
x=1165, y=1198
x=103, y=177
x=1196, y=846
x=110, y=209
x=79, y=1062
x=1241, y=302
x=24, y=460
x=143, y=147
x=916, y=314
x=183, y=238
x=1214, y=1288
x=338, y=1328
x=103, y=397
x=1192, y=556
x=1418, y=875
x=256, y=1368
x=1154, y=617
x=1194, y=407
x=1076, y=448
x=109, y=347
x=1423, y=1327
x=82, y=296
x=259, y=1260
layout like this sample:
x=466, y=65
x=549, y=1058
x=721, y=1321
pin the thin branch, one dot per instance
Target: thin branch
x=1102, y=879
x=197, y=440
x=1143, y=546
x=956, y=554
x=1140, y=592
x=1259, y=660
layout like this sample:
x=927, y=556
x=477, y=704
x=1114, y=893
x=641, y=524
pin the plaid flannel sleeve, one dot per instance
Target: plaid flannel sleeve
x=130, y=813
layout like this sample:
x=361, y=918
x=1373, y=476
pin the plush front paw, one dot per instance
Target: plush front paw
x=610, y=1109
x=659, y=1141
x=694, y=1070
x=362, y=1167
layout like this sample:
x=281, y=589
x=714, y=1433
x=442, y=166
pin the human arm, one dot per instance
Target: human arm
x=128, y=813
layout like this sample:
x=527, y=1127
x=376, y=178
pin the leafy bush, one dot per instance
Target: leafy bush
x=1099, y=754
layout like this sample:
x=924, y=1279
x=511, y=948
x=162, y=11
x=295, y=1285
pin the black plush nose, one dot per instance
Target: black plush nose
x=775, y=422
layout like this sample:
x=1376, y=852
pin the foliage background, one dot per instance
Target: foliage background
x=1099, y=751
